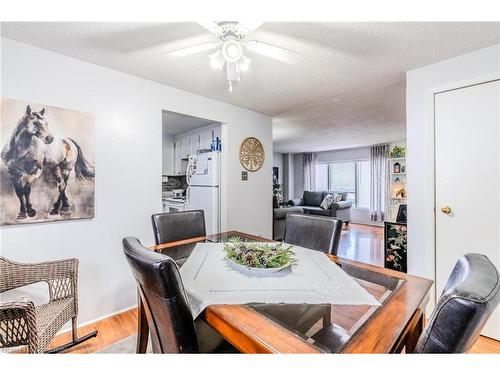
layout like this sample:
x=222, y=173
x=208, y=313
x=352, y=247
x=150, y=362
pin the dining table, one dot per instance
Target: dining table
x=392, y=326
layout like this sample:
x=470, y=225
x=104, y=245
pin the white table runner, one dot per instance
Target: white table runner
x=314, y=279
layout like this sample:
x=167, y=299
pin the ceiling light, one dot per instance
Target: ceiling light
x=228, y=52
x=232, y=71
x=232, y=51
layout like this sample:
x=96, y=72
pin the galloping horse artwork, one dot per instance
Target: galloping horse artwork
x=45, y=174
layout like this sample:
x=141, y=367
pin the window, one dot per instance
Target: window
x=352, y=176
x=343, y=178
x=322, y=177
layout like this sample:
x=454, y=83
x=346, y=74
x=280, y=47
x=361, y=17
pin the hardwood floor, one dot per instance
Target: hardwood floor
x=364, y=243
x=359, y=242
x=112, y=329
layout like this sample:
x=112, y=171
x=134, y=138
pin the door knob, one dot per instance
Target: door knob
x=446, y=210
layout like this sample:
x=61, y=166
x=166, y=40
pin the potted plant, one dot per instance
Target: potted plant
x=278, y=192
x=398, y=152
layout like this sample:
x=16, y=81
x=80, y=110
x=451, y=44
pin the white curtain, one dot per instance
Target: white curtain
x=309, y=171
x=378, y=181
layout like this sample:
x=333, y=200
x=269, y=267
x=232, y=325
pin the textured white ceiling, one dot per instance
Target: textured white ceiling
x=174, y=123
x=346, y=90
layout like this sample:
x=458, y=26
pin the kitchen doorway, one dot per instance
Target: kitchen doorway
x=191, y=166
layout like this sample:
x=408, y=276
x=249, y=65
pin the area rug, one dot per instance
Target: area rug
x=125, y=346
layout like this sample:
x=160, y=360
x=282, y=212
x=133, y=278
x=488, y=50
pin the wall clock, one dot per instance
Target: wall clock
x=252, y=154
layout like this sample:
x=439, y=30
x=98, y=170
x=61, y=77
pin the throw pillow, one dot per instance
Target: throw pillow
x=327, y=202
x=337, y=197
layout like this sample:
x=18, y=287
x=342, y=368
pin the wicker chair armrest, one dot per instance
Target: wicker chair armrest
x=18, y=322
x=64, y=280
x=55, y=273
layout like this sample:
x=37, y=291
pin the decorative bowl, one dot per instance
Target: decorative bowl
x=254, y=270
x=258, y=258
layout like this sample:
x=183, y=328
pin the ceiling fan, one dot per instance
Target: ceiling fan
x=231, y=46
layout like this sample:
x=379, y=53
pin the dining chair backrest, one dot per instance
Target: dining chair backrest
x=313, y=232
x=469, y=297
x=164, y=299
x=176, y=226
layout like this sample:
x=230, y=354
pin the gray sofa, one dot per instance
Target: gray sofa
x=311, y=201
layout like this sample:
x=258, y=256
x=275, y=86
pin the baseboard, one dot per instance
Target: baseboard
x=370, y=223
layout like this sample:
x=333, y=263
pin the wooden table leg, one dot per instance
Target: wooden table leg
x=142, y=328
x=414, y=335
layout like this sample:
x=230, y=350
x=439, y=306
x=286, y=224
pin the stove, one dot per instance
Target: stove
x=174, y=204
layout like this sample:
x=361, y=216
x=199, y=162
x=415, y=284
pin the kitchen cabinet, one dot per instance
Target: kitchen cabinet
x=168, y=157
x=194, y=143
x=185, y=147
x=190, y=142
x=206, y=139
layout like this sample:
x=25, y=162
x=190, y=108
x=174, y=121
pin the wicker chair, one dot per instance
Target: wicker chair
x=23, y=323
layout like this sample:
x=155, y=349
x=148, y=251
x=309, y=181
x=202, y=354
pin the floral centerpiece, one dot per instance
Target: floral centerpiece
x=259, y=255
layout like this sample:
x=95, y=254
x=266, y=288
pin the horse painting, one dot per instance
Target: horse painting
x=32, y=151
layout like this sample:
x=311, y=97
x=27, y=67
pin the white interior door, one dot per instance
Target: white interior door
x=467, y=137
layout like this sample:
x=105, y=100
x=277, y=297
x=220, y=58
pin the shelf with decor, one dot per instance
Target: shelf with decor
x=397, y=191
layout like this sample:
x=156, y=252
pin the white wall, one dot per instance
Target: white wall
x=278, y=162
x=420, y=85
x=128, y=152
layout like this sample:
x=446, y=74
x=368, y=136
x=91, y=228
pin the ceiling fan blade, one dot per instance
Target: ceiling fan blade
x=270, y=50
x=250, y=26
x=211, y=26
x=190, y=50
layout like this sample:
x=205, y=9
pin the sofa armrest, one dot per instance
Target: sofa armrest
x=296, y=202
x=342, y=205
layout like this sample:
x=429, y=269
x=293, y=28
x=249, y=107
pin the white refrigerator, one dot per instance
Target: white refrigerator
x=203, y=192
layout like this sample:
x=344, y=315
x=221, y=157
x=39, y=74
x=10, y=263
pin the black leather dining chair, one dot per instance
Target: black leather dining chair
x=469, y=297
x=176, y=226
x=314, y=232
x=165, y=303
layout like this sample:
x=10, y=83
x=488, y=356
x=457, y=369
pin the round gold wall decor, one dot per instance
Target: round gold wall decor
x=252, y=154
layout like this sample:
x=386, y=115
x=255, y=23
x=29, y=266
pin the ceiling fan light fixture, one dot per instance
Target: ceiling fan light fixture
x=217, y=61
x=232, y=51
x=228, y=52
x=232, y=71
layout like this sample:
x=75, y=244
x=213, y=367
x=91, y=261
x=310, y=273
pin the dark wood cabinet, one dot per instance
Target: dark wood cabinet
x=395, y=246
